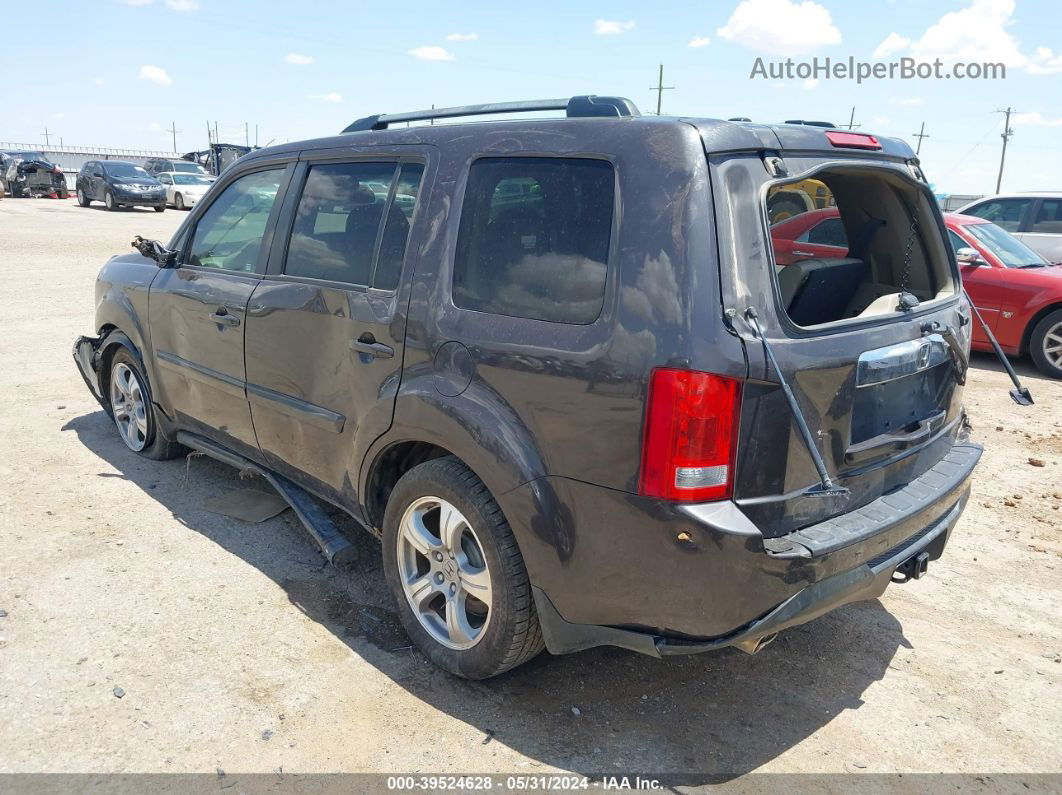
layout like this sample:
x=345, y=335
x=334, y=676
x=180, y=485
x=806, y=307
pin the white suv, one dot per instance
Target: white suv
x=1034, y=218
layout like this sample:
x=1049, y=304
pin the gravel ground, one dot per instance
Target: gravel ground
x=141, y=633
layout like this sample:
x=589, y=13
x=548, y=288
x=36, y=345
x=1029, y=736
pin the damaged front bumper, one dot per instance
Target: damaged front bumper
x=87, y=359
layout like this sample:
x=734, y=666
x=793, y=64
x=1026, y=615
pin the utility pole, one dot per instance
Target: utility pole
x=246, y=135
x=173, y=130
x=1007, y=132
x=256, y=136
x=660, y=88
x=851, y=120
x=47, y=140
x=920, y=135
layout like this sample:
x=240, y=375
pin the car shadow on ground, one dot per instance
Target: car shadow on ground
x=1023, y=366
x=600, y=712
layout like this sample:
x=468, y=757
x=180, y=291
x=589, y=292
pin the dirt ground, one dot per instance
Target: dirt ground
x=236, y=648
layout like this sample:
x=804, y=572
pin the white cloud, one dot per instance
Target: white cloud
x=882, y=120
x=139, y=2
x=462, y=37
x=976, y=33
x=155, y=126
x=700, y=41
x=1035, y=119
x=909, y=101
x=331, y=96
x=431, y=53
x=183, y=6
x=893, y=43
x=612, y=27
x=98, y=81
x=156, y=74
x=298, y=59
x=811, y=84
x=780, y=27
x=1045, y=62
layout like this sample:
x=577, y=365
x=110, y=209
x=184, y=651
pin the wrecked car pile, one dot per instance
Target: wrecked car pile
x=32, y=175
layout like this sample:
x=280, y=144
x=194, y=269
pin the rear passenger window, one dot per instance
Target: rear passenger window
x=396, y=230
x=338, y=220
x=534, y=238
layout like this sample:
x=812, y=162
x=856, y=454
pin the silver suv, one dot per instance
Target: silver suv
x=1034, y=218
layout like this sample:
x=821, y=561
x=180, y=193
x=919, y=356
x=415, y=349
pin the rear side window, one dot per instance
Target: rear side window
x=534, y=238
x=1006, y=213
x=338, y=221
x=1048, y=217
x=352, y=223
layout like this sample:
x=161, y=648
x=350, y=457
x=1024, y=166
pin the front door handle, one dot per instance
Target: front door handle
x=367, y=343
x=222, y=317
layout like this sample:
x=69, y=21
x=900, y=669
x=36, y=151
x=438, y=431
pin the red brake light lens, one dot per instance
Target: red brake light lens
x=690, y=437
x=853, y=140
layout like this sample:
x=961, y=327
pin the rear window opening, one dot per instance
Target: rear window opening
x=850, y=241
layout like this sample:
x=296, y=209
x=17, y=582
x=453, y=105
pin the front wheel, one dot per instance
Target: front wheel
x=178, y=202
x=82, y=199
x=131, y=408
x=1045, y=344
x=108, y=201
x=160, y=208
x=456, y=573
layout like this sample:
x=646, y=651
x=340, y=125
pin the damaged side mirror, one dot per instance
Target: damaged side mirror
x=153, y=249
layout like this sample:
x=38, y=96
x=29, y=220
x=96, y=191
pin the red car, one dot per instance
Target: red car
x=1017, y=291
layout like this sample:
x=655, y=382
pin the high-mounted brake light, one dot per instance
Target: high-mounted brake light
x=690, y=437
x=853, y=140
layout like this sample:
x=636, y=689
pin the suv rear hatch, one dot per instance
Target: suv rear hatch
x=840, y=253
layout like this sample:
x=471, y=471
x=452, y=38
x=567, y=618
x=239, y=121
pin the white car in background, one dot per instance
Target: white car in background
x=183, y=190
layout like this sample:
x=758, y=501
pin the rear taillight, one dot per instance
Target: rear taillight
x=853, y=140
x=690, y=437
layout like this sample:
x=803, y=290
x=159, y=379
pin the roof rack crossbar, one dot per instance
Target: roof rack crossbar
x=576, y=107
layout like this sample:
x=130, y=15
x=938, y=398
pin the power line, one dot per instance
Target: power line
x=1005, y=135
x=920, y=135
x=660, y=88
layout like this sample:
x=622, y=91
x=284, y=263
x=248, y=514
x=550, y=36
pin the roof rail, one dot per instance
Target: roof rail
x=576, y=107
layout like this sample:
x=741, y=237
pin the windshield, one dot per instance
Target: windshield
x=191, y=168
x=190, y=179
x=30, y=156
x=1011, y=251
x=125, y=170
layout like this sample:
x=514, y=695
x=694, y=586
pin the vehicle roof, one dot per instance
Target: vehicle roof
x=718, y=136
x=965, y=220
x=1028, y=194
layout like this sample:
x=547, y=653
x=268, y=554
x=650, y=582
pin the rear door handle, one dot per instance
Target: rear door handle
x=367, y=343
x=222, y=317
x=802, y=253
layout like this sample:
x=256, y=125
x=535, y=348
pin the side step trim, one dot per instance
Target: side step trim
x=314, y=518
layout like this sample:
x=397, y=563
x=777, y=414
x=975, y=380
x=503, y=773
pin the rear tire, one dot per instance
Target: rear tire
x=1045, y=344
x=131, y=407
x=478, y=556
x=161, y=208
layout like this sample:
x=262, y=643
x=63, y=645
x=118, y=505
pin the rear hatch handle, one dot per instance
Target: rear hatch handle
x=826, y=487
x=1019, y=394
x=958, y=359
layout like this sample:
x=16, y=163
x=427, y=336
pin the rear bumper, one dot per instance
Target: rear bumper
x=728, y=586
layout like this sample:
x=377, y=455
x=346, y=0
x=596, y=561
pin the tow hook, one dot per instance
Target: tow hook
x=912, y=569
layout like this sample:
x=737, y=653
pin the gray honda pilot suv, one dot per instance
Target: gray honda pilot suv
x=566, y=370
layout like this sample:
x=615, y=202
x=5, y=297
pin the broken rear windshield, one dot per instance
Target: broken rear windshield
x=849, y=242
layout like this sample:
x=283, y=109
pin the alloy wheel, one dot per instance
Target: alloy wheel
x=129, y=407
x=444, y=573
x=1053, y=345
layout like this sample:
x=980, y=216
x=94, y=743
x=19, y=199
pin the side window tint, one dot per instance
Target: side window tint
x=534, y=238
x=828, y=233
x=1006, y=213
x=957, y=242
x=338, y=220
x=1048, y=218
x=396, y=230
x=229, y=234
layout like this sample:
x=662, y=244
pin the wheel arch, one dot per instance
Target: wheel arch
x=1034, y=321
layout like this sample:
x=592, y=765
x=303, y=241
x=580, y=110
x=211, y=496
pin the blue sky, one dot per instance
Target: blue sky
x=300, y=70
